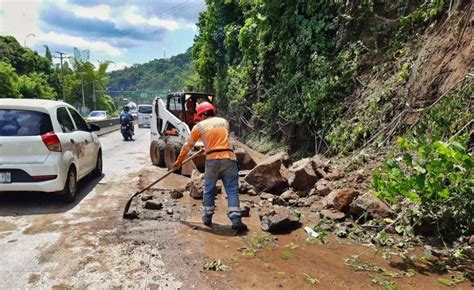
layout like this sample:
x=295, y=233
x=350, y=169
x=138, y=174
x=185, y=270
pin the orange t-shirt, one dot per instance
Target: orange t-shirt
x=214, y=133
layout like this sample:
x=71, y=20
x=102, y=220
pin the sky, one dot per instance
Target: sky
x=126, y=32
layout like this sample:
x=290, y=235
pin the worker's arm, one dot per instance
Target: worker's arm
x=193, y=138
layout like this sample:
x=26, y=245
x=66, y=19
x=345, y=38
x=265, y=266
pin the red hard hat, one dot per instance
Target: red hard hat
x=204, y=107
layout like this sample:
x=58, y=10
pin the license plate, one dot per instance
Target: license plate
x=5, y=177
x=124, y=127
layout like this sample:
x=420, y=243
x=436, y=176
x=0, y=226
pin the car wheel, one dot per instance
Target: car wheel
x=70, y=188
x=157, y=153
x=172, y=150
x=97, y=172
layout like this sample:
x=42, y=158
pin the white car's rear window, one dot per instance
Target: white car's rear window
x=24, y=123
x=145, y=109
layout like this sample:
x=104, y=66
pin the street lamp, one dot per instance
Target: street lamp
x=26, y=37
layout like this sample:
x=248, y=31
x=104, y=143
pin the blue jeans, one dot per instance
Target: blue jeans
x=228, y=171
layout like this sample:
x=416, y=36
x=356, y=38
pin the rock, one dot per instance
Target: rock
x=245, y=209
x=332, y=214
x=244, y=187
x=244, y=159
x=153, y=204
x=318, y=206
x=289, y=194
x=176, y=194
x=279, y=220
x=370, y=204
x=146, y=197
x=322, y=187
x=169, y=211
x=341, y=231
x=335, y=175
x=301, y=175
x=320, y=161
x=196, y=185
x=252, y=192
x=471, y=240
x=340, y=199
x=266, y=195
x=270, y=175
x=279, y=201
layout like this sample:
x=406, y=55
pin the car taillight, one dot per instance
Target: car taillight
x=51, y=141
x=40, y=178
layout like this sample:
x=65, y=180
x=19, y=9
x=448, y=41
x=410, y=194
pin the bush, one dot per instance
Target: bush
x=439, y=175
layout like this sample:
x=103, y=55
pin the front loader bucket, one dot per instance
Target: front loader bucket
x=197, y=163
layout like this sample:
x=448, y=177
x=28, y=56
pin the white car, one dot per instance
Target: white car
x=46, y=146
x=97, y=116
x=144, y=115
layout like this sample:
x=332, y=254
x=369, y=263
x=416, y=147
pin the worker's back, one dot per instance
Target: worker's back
x=216, y=139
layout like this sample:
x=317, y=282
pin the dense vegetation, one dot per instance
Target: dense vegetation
x=26, y=74
x=333, y=77
x=289, y=65
x=159, y=75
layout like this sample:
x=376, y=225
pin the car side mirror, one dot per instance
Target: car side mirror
x=94, y=127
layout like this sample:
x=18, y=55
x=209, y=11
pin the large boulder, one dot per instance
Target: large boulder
x=340, y=199
x=244, y=159
x=280, y=219
x=196, y=185
x=368, y=203
x=270, y=175
x=301, y=175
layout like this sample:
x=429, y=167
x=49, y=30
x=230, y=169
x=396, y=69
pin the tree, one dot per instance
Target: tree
x=8, y=81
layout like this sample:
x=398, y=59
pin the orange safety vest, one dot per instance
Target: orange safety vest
x=214, y=133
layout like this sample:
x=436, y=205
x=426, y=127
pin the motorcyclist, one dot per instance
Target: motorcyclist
x=127, y=116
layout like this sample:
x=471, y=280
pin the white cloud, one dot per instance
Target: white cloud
x=118, y=65
x=132, y=16
x=79, y=42
x=101, y=12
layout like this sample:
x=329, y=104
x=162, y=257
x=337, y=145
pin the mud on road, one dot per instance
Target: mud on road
x=46, y=244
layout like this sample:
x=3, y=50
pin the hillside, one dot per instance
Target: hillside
x=156, y=75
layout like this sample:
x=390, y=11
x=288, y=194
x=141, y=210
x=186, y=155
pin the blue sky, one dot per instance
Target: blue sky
x=125, y=32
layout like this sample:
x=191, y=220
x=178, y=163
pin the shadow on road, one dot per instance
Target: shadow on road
x=216, y=229
x=31, y=203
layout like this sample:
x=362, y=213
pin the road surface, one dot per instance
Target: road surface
x=47, y=244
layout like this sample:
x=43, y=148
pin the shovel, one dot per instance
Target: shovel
x=133, y=215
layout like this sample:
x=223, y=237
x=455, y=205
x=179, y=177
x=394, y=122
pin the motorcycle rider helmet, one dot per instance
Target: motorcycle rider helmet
x=126, y=108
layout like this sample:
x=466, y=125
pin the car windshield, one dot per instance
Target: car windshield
x=97, y=114
x=144, y=109
x=24, y=123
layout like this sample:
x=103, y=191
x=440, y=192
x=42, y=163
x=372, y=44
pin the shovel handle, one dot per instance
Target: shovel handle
x=172, y=170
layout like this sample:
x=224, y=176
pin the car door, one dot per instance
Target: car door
x=71, y=139
x=86, y=141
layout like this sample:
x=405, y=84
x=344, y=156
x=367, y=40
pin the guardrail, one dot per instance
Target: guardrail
x=106, y=126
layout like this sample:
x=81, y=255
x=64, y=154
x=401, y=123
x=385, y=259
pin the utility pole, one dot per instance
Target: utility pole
x=82, y=89
x=61, y=57
x=94, y=98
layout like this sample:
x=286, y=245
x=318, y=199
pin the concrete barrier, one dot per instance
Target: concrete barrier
x=106, y=126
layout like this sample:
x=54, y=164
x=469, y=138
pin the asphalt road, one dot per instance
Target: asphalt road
x=47, y=244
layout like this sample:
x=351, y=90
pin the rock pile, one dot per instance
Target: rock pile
x=309, y=182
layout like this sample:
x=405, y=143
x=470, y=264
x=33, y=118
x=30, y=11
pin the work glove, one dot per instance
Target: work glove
x=176, y=165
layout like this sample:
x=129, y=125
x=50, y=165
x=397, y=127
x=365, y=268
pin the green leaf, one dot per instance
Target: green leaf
x=445, y=282
x=286, y=256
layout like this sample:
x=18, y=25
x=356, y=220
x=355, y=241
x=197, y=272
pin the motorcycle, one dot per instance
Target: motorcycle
x=126, y=130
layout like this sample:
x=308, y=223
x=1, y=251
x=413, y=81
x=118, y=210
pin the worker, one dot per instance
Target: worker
x=221, y=163
x=190, y=113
